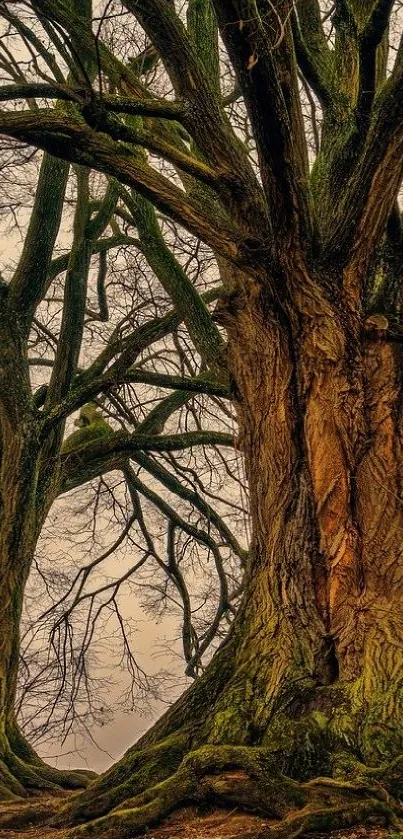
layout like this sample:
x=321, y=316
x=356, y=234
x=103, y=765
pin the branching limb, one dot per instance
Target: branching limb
x=173, y=484
x=372, y=190
x=105, y=209
x=126, y=348
x=194, y=644
x=72, y=140
x=96, y=458
x=110, y=103
x=78, y=397
x=98, y=118
x=34, y=46
x=268, y=80
x=205, y=119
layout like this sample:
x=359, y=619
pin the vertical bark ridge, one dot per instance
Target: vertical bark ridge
x=333, y=418
x=280, y=617
x=376, y=637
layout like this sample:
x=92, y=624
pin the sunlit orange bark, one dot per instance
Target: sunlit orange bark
x=319, y=408
x=311, y=669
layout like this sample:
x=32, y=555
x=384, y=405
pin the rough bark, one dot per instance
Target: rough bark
x=21, y=769
x=308, y=683
x=309, y=680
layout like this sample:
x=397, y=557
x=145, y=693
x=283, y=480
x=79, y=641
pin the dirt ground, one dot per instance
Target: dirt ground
x=187, y=823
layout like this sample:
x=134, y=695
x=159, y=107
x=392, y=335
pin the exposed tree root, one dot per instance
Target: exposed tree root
x=18, y=779
x=22, y=771
x=330, y=818
x=246, y=777
x=139, y=770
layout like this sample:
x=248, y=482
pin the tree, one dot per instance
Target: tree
x=99, y=323
x=309, y=680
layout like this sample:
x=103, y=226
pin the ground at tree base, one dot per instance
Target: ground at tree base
x=186, y=823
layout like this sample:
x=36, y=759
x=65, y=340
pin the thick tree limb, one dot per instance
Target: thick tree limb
x=267, y=76
x=96, y=458
x=202, y=32
x=371, y=191
x=72, y=140
x=189, y=78
x=78, y=397
x=29, y=281
x=312, y=49
x=204, y=118
x=370, y=39
x=98, y=118
x=110, y=103
x=174, y=280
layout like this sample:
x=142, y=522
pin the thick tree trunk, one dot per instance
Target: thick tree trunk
x=309, y=681
x=370, y=640
x=18, y=536
x=21, y=769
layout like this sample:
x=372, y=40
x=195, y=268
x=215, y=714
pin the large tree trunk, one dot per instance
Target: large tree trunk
x=21, y=769
x=309, y=681
x=18, y=536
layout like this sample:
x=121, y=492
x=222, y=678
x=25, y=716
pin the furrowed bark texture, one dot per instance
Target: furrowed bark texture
x=309, y=681
x=299, y=714
x=319, y=406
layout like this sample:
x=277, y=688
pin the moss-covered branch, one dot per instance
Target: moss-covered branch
x=174, y=280
x=73, y=140
x=29, y=281
x=75, y=295
x=202, y=32
x=98, y=117
x=312, y=49
x=80, y=395
x=371, y=34
x=259, y=42
x=94, y=459
x=109, y=103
